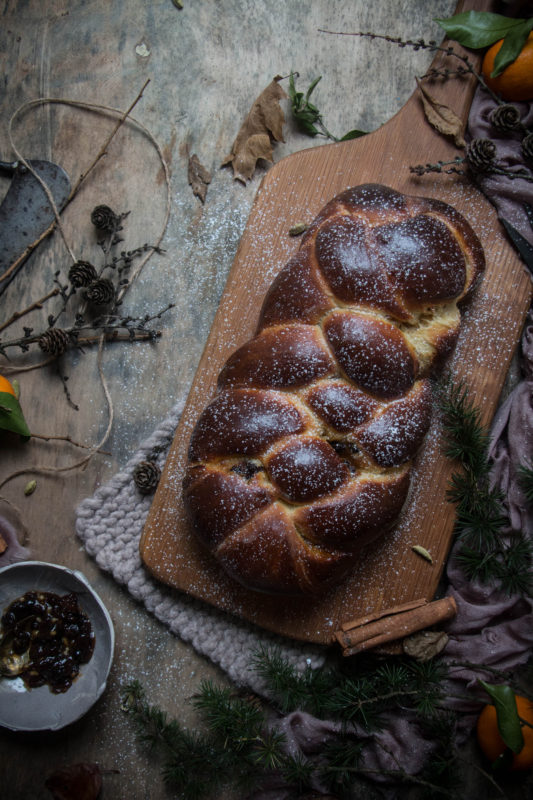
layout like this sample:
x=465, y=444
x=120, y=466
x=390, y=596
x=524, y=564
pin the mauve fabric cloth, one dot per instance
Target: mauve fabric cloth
x=508, y=195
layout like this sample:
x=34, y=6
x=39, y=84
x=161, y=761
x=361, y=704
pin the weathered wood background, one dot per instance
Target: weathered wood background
x=206, y=64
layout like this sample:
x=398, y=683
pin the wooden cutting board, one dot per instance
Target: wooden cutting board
x=293, y=191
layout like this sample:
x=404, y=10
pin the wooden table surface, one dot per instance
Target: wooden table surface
x=206, y=64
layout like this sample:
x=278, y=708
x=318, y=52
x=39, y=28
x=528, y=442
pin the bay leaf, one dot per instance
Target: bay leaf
x=441, y=117
x=262, y=127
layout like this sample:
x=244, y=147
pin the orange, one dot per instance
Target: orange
x=491, y=742
x=5, y=386
x=516, y=81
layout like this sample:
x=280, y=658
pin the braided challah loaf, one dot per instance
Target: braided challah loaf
x=304, y=455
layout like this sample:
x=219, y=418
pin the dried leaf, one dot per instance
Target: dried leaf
x=76, y=782
x=421, y=551
x=425, y=645
x=262, y=126
x=441, y=117
x=3, y=544
x=199, y=177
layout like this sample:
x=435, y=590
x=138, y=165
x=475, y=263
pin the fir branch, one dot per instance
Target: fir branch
x=362, y=699
x=525, y=475
x=342, y=756
x=225, y=713
x=481, y=523
x=466, y=439
x=289, y=688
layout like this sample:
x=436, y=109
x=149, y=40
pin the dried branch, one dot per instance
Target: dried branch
x=103, y=150
x=55, y=438
x=38, y=304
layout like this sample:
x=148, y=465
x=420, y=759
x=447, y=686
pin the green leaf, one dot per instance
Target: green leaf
x=511, y=47
x=477, y=29
x=507, y=715
x=304, y=112
x=11, y=416
x=355, y=134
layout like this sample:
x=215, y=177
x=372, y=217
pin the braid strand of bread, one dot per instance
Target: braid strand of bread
x=304, y=455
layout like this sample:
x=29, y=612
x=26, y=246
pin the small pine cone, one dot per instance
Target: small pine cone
x=82, y=273
x=480, y=155
x=104, y=218
x=146, y=476
x=527, y=147
x=100, y=292
x=54, y=341
x=505, y=117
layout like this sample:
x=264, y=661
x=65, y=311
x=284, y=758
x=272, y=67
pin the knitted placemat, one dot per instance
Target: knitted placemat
x=110, y=524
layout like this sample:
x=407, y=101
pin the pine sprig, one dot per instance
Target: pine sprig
x=465, y=438
x=239, y=746
x=341, y=757
x=525, y=474
x=291, y=689
x=481, y=524
x=363, y=699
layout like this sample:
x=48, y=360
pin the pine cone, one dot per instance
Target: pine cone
x=480, y=155
x=146, y=476
x=505, y=117
x=527, y=147
x=54, y=341
x=100, y=292
x=82, y=273
x=104, y=218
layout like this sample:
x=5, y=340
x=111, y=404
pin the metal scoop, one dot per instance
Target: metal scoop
x=25, y=212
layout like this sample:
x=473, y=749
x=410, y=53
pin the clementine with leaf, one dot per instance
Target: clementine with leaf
x=11, y=416
x=6, y=386
x=491, y=742
x=516, y=80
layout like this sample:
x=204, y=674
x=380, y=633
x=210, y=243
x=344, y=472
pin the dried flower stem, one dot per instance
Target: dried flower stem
x=420, y=44
x=422, y=169
x=38, y=304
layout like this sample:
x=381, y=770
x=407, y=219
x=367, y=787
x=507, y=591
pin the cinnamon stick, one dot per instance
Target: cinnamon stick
x=389, y=625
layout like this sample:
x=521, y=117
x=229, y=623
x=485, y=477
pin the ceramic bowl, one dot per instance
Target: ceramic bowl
x=39, y=709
